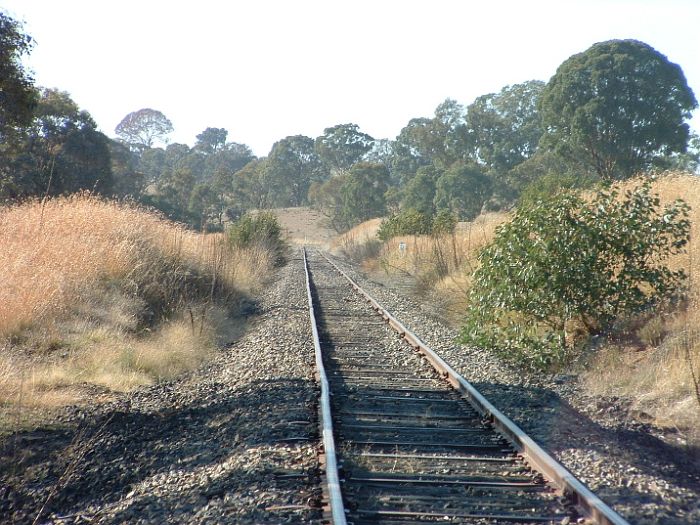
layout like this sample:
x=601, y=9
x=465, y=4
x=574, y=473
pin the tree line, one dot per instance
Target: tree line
x=614, y=110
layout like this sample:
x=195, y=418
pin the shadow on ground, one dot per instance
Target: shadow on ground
x=132, y=442
x=559, y=427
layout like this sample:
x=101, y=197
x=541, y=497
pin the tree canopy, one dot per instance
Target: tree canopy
x=211, y=140
x=620, y=104
x=505, y=127
x=17, y=94
x=608, y=112
x=341, y=146
x=463, y=190
x=60, y=151
x=292, y=166
x=140, y=129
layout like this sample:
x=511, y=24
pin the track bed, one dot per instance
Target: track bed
x=410, y=448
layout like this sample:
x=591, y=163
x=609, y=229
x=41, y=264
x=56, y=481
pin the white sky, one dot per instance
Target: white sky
x=266, y=69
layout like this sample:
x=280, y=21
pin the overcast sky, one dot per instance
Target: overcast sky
x=266, y=69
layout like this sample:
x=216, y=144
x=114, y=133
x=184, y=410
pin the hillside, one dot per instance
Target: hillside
x=305, y=225
x=101, y=297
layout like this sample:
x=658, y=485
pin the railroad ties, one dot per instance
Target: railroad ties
x=410, y=448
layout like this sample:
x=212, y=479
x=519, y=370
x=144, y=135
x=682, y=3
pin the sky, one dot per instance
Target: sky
x=267, y=69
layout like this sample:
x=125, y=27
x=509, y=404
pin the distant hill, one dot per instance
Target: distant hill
x=305, y=226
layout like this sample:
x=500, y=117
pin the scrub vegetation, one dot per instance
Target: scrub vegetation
x=648, y=356
x=104, y=294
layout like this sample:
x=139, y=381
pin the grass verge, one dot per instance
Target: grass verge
x=100, y=296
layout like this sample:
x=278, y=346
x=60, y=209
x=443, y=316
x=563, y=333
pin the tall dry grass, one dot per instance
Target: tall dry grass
x=659, y=369
x=459, y=251
x=359, y=244
x=52, y=255
x=107, y=293
x=442, y=265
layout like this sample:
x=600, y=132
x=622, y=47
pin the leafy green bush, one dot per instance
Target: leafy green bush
x=260, y=229
x=569, y=267
x=444, y=221
x=406, y=222
x=413, y=222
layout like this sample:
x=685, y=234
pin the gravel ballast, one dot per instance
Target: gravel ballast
x=644, y=478
x=234, y=442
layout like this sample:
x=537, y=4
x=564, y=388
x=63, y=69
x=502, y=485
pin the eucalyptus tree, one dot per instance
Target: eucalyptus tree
x=463, y=190
x=292, y=166
x=414, y=147
x=505, y=127
x=341, y=146
x=362, y=194
x=211, y=140
x=141, y=129
x=250, y=187
x=17, y=94
x=419, y=192
x=619, y=105
x=60, y=151
x=440, y=141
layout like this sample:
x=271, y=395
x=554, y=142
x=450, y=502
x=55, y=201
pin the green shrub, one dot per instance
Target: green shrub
x=261, y=230
x=444, y=222
x=566, y=266
x=406, y=222
x=413, y=222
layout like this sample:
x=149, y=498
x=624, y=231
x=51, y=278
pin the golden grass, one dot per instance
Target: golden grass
x=363, y=232
x=360, y=243
x=459, y=250
x=103, y=357
x=442, y=264
x=104, y=293
x=656, y=374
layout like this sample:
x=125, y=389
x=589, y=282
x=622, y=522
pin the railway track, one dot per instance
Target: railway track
x=407, y=441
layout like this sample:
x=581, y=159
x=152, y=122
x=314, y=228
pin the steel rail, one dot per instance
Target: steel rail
x=335, y=497
x=592, y=507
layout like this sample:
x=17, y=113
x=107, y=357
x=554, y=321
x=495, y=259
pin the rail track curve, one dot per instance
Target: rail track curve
x=407, y=440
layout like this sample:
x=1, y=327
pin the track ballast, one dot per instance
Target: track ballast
x=410, y=448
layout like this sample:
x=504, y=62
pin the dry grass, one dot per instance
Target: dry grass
x=460, y=250
x=51, y=256
x=360, y=233
x=360, y=243
x=657, y=374
x=442, y=264
x=100, y=359
x=102, y=293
